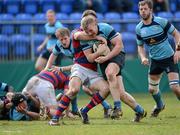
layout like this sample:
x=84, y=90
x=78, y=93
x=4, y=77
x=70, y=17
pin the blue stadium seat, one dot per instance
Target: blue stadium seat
x=38, y=39
x=39, y=28
x=48, y=4
x=112, y=16
x=7, y=29
x=4, y=46
x=129, y=41
x=77, y=17
x=167, y=15
x=66, y=8
x=100, y=17
x=177, y=16
x=24, y=28
x=62, y=16
x=20, y=45
x=30, y=6
x=130, y=16
x=12, y=6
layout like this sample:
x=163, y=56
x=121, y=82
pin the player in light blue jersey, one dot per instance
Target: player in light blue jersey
x=111, y=64
x=49, y=42
x=153, y=31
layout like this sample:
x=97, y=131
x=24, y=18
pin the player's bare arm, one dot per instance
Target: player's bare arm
x=81, y=35
x=51, y=60
x=176, y=36
x=142, y=54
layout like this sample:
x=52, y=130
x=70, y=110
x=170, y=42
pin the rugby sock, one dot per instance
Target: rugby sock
x=74, y=105
x=158, y=100
x=139, y=109
x=105, y=104
x=63, y=105
x=117, y=104
x=95, y=100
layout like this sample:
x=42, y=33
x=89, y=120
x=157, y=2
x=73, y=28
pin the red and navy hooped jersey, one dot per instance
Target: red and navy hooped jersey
x=59, y=79
x=79, y=56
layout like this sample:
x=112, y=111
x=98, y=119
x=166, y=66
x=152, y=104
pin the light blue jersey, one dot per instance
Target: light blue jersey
x=50, y=31
x=104, y=30
x=155, y=36
x=69, y=52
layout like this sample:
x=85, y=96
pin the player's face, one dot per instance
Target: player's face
x=92, y=29
x=65, y=41
x=51, y=18
x=145, y=12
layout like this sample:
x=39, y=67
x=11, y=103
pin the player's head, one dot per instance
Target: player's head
x=51, y=16
x=145, y=9
x=19, y=99
x=63, y=35
x=89, y=25
x=89, y=12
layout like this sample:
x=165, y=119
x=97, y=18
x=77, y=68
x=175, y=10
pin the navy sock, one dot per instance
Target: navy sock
x=117, y=104
x=105, y=104
x=158, y=100
x=139, y=109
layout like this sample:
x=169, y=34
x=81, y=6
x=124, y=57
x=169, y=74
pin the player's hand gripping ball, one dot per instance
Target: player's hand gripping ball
x=102, y=49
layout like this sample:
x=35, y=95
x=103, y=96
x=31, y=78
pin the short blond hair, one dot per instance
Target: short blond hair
x=51, y=11
x=86, y=21
x=63, y=32
x=89, y=12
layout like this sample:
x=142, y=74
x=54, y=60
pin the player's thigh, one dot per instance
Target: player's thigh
x=154, y=77
x=173, y=76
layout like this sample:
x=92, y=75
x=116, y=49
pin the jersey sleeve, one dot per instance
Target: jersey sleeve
x=56, y=50
x=110, y=32
x=167, y=26
x=139, y=39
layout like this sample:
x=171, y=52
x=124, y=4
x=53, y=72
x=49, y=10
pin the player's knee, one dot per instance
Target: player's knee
x=72, y=92
x=153, y=86
x=110, y=75
x=174, y=85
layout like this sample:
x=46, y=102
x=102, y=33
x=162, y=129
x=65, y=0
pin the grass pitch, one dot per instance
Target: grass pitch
x=168, y=123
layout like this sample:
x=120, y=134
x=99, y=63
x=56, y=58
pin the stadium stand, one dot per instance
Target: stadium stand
x=4, y=46
x=20, y=45
x=129, y=41
x=12, y=6
x=24, y=28
x=130, y=16
x=112, y=16
x=37, y=40
x=7, y=29
x=30, y=6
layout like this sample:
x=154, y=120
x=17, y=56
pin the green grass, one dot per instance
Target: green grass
x=168, y=123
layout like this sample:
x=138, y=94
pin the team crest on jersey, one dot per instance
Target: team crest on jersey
x=152, y=41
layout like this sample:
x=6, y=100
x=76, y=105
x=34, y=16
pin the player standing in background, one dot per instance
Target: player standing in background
x=49, y=42
x=153, y=31
x=111, y=64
